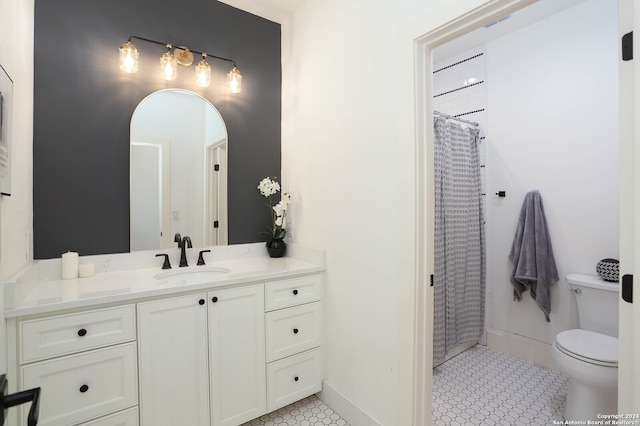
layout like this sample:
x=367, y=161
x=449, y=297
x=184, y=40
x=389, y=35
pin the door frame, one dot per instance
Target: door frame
x=628, y=336
x=424, y=250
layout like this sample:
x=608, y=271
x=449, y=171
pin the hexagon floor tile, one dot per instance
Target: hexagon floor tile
x=485, y=387
x=478, y=387
x=309, y=411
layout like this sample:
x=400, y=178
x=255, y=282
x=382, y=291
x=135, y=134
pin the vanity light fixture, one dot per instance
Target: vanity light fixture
x=203, y=72
x=234, y=80
x=128, y=58
x=169, y=65
x=181, y=56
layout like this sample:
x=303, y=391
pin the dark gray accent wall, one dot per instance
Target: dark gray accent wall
x=83, y=105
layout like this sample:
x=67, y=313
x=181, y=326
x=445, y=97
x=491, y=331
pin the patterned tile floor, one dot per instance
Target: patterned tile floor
x=309, y=411
x=478, y=387
x=484, y=387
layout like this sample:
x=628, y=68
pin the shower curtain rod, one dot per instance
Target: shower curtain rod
x=473, y=123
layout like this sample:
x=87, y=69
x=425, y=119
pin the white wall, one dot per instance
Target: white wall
x=348, y=156
x=553, y=126
x=16, y=211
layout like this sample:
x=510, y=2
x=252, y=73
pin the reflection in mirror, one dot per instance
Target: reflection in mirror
x=178, y=171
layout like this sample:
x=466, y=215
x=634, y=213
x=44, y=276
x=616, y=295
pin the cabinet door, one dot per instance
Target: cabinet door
x=294, y=378
x=237, y=353
x=293, y=330
x=174, y=377
x=80, y=387
x=65, y=334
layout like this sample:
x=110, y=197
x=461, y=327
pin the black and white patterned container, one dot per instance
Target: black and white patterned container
x=608, y=269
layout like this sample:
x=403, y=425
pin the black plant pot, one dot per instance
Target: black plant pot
x=276, y=248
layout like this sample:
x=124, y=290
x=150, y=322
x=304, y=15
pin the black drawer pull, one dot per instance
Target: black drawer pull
x=201, y=301
x=296, y=378
x=82, y=332
x=295, y=292
x=214, y=299
x=295, y=331
x=84, y=388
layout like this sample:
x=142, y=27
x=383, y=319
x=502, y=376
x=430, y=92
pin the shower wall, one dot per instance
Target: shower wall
x=553, y=126
x=550, y=123
x=460, y=89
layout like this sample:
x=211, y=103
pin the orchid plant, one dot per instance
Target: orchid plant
x=269, y=187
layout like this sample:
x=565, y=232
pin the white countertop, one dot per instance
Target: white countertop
x=129, y=277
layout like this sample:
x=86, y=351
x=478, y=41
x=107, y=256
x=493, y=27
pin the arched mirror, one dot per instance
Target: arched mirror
x=178, y=171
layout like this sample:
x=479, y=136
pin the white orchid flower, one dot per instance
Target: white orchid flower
x=279, y=209
x=268, y=187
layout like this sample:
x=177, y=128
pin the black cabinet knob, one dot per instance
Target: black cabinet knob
x=214, y=299
x=295, y=331
x=296, y=378
x=84, y=388
x=82, y=332
x=295, y=292
x=201, y=301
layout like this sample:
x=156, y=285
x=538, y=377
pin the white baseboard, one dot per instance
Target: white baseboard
x=345, y=408
x=534, y=351
x=522, y=347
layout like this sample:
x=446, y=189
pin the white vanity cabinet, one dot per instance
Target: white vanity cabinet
x=84, y=363
x=293, y=339
x=127, y=348
x=202, y=357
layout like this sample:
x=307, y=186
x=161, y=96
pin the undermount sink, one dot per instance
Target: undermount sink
x=192, y=274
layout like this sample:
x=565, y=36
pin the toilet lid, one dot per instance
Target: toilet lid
x=589, y=346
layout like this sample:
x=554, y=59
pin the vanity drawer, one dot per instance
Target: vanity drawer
x=291, y=292
x=80, y=387
x=293, y=378
x=123, y=418
x=293, y=330
x=65, y=334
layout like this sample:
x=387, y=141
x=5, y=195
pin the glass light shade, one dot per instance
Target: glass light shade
x=169, y=66
x=234, y=80
x=128, y=58
x=203, y=73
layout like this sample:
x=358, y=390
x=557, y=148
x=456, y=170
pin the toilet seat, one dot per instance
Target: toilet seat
x=588, y=346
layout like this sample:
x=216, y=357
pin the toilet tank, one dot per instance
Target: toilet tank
x=597, y=303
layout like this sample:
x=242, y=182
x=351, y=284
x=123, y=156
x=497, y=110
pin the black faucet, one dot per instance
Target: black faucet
x=200, y=258
x=177, y=239
x=184, y=244
x=166, y=264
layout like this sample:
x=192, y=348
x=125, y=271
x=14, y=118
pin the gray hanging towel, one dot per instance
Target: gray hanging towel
x=534, y=267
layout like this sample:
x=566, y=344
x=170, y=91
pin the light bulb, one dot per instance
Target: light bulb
x=169, y=65
x=234, y=80
x=203, y=73
x=128, y=58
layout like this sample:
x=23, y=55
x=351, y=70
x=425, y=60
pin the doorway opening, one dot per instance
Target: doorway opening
x=427, y=47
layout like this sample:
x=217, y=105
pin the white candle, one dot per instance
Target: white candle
x=69, y=265
x=86, y=270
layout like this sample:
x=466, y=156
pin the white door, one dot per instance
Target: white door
x=237, y=354
x=629, y=332
x=173, y=364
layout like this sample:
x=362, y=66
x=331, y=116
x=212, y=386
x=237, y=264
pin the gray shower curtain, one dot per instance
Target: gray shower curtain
x=459, y=269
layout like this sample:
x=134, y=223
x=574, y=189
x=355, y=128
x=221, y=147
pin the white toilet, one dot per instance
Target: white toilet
x=589, y=355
